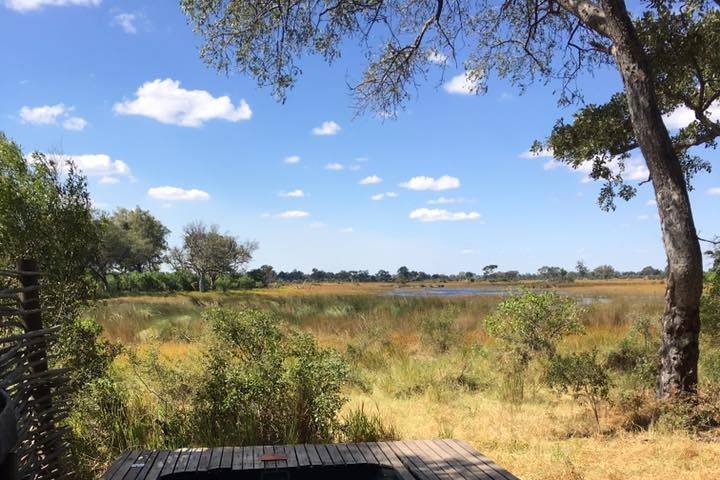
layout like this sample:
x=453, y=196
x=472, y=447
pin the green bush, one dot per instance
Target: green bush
x=528, y=326
x=266, y=383
x=582, y=376
x=440, y=330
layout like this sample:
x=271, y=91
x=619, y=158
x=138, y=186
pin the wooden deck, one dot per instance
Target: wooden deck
x=412, y=459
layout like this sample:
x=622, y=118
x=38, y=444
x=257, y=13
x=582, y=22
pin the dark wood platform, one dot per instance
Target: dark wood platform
x=412, y=459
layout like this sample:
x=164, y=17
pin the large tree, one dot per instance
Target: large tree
x=666, y=54
x=131, y=240
x=207, y=253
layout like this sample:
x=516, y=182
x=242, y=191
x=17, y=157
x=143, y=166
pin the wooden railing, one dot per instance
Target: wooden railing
x=37, y=391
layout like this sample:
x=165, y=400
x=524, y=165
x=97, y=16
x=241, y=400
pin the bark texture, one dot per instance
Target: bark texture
x=679, y=352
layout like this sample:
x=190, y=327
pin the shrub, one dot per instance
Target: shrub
x=266, y=384
x=529, y=325
x=439, y=330
x=636, y=355
x=580, y=375
x=360, y=426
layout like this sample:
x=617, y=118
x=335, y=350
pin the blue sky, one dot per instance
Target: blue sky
x=120, y=87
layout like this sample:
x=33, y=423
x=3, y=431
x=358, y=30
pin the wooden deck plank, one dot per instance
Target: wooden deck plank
x=248, y=459
x=227, y=458
x=215, y=458
x=313, y=454
x=237, y=458
x=395, y=461
x=115, y=465
x=345, y=453
x=139, y=472
x=356, y=453
x=280, y=450
x=437, y=461
x=291, y=456
x=194, y=459
x=484, y=473
x=157, y=465
x=125, y=465
x=447, y=455
x=182, y=461
x=204, y=463
x=412, y=462
x=170, y=462
x=257, y=453
x=475, y=460
x=380, y=456
x=367, y=454
x=323, y=454
x=335, y=454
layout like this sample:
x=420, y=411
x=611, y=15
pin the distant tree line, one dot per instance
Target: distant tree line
x=134, y=256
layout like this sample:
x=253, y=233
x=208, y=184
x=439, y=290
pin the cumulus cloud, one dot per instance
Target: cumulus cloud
x=334, y=166
x=327, y=128
x=93, y=165
x=30, y=5
x=371, y=180
x=445, y=182
x=297, y=193
x=126, y=21
x=445, y=200
x=52, y=115
x=714, y=191
x=630, y=168
x=462, y=84
x=167, y=102
x=347, y=230
x=681, y=117
x=292, y=159
x=107, y=180
x=441, y=215
x=292, y=214
x=177, y=193
x=380, y=196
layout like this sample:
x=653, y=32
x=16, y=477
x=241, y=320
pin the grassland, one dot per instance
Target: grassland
x=426, y=393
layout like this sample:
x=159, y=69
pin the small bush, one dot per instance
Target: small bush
x=528, y=326
x=359, y=426
x=266, y=384
x=440, y=331
x=582, y=376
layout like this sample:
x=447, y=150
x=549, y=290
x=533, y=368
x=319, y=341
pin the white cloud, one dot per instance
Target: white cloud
x=651, y=202
x=435, y=56
x=176, y=193
x=391, y=194
x=297, y=193
x=361, y=159
x=714, y=191
x=643, y=217
x=371, y=180
x=445, y=200
x=167, y=102
x=462, y=85
x=30, y=5
x=355, y=168
x=441, y=215
x=347, y=230
x=126, y=21
x=377, y=197
x=292, y=159
x=468, y=251
x=334, y=166
x=445, y=182
x=318, y=225
x=74, y=123
x=681, y=117
x=93, y=165
x=52, y=115
x=107, y=180
x=293, y=214
x=327, y=128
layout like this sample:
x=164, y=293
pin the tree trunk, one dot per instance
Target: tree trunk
x=681, y=320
